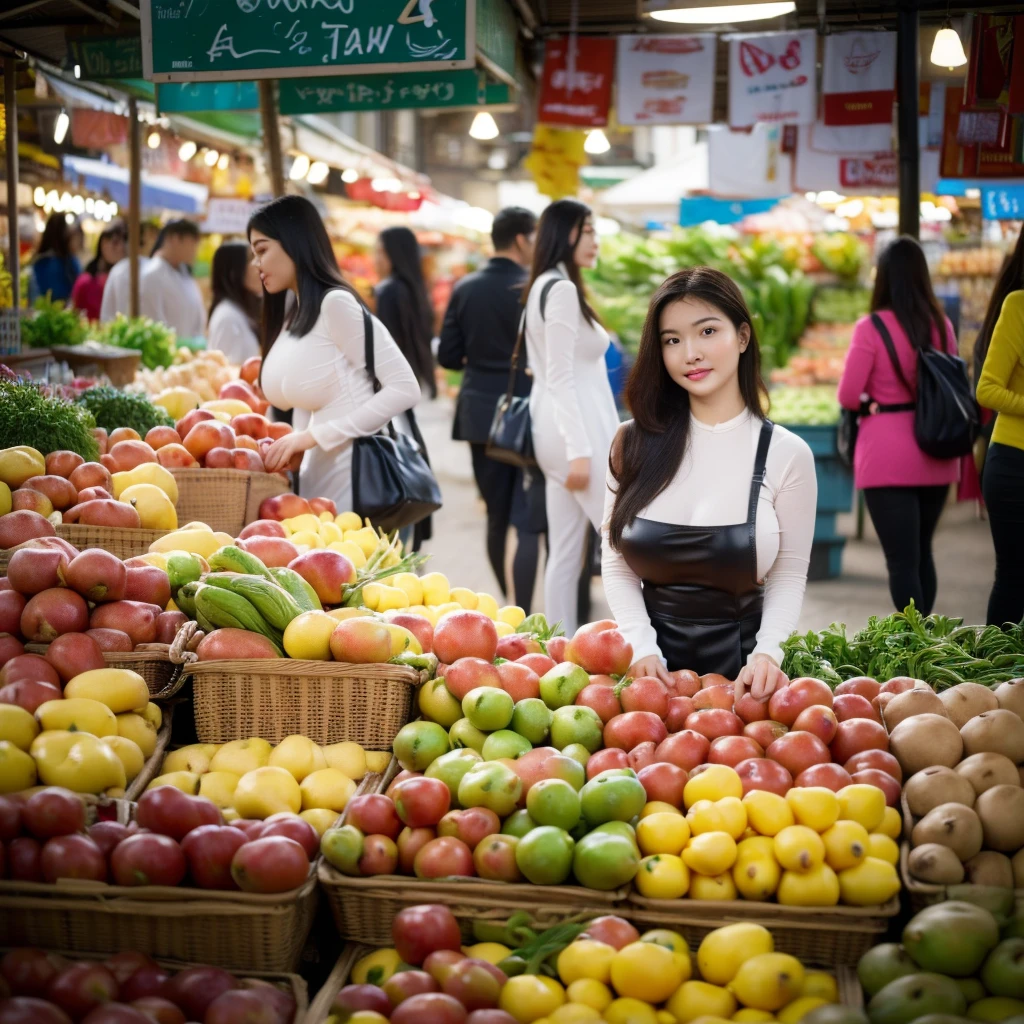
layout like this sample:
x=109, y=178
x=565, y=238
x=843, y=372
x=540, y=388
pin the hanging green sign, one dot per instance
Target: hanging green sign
x=197, y=40
x=200, y=97
x=409, y=91
x=106, y=57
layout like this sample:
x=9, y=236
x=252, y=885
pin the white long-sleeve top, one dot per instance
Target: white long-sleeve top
x=712, y=488
x=171, y=296
x=322, y=376
x=230, y=332
x=117, y=290
x=572, y=409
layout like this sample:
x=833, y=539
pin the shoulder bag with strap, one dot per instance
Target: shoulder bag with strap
x=510, y=439
x=392, y=482
x=946, y=416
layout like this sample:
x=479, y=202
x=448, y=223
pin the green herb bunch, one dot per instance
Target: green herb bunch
x=113, y=408
x=48, y=424
x=153, y=339
x=52, y=324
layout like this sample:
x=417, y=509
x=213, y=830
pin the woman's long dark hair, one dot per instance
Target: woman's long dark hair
x=412, y=322
x=227, y=281
x=649, y=451
x=294, y=223
x=56, y=241
x=98, y=265
x=554, y=245
x=1011, y=279
x=904, y=286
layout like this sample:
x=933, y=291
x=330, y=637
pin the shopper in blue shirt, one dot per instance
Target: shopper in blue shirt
x=55, y=266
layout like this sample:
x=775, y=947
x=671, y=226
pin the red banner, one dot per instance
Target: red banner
x=859, y=83
x=97, y=129
x=577, y=91
x=976, y=161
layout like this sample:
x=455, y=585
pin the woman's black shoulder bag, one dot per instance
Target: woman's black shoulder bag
x=392, y=483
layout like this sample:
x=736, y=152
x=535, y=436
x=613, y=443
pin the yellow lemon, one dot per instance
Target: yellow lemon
x=822, y=984
x=630, y=1011
x=768, y=981
x=155, y=508
x=818, y=887
x=486, y=605
x=492, y=952
x=672, y=941
x=767, y=813
x=194, y=758
x=594, y=994
x=308, y=636
x=749, y=1016
x=392, y=598
x=725, y=815
x=503, y=629
x=331, y=534
x=862, y=803
x=219, y=787
x=348, y=521
x=846, y=845
x=645, y=970
x=883, y=848
x=17, y=726
x=796, y=1011
x=512, y=614
x=662, y=832
x=585, y=958
x=871, y=882
x=756, y=878
x=722, y=951
x=436, y=590
x=446, y=609
x=574, y=1013
x=17, y=768
x=714, y=887
x=814, y=806
x=710, y=853
x=529, y=997
x=695, y=999
x=371, y=595
x=892, y=824
x=464, y=597
x=662, y=876
x=799, y=848
x=321, y=818
x=5, y=498
x=660, y=807
x=410, y=583
x=352, y=551
x=755, y=846
x=307, y=539
x=714, y=783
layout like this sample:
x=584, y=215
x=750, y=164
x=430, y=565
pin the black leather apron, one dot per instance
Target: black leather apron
x=700, y=584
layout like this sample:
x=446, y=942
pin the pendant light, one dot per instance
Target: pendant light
x=948, y=50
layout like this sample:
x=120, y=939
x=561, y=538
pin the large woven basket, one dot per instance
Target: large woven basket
x=151, y=661
x=831, y=936
x=118, y=540
x=225, y=499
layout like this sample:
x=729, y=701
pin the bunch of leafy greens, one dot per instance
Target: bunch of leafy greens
x=48, y=424
x=113, y=408
x=52, y=324
x=154, y=340
x=940, y=650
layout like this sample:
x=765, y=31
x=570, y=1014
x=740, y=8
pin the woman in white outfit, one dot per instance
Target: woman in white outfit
x=314, y=358
x=235, y=309
x=572, y=409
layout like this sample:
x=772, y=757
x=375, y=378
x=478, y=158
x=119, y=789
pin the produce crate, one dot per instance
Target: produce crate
x=225, y=499
x=850, y=993
x=151, y=661
x=826, y=559
x=10, y=332
x=125, y=543
x=830, y=936
x=835, y=484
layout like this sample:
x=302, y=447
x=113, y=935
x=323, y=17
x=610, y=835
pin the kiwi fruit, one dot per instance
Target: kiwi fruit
x=989, y=868
x=996, y=732
x=983, y=771
x=1001, y=813
x=925, y=740
x=1017, y=863
x=917, y=701
x=951, y=825
x=935, y=864
x=937, y=785
x=966, y=701
x=1011, y=696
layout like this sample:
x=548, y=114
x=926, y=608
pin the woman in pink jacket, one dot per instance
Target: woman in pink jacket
x=905, y=489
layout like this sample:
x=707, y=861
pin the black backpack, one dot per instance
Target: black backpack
x=946, y=416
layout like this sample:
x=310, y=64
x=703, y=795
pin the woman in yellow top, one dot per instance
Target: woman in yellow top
x=1000, y=351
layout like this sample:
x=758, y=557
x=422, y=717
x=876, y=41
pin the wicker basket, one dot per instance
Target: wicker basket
x=832, y=936
x=225, y=499
x=118, y=540
x=151, y=661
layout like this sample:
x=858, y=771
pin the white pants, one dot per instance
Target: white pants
x=570, y=514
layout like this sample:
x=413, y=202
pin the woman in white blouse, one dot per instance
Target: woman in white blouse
x=314, y=357
x=572, y=409
x=710, y=506
x=235, y=309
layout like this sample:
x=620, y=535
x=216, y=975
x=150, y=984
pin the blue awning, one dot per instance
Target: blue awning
x=158, y=191
x=694, y=210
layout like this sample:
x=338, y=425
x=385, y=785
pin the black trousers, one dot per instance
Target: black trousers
x=1003, y=488
x=905, y=519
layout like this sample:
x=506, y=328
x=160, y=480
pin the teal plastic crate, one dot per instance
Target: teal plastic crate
x=826, y=559
x=821, y=439
x=825, y=526
x=835, y=485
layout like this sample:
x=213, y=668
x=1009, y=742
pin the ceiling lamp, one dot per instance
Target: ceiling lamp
x=60, y=127
x=154, y=140
x=719, y=13
x=350, y=175
x=187, y=151
x=300, y=167
x=947, y=50
x=211, y=158
x=317, y=173
x=596, y=143
x=224, y=162
x=484, y=127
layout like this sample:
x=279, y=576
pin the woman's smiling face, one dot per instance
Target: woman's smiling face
x=701, y=346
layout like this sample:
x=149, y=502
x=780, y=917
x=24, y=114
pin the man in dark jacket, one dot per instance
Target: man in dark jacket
x=479, y=334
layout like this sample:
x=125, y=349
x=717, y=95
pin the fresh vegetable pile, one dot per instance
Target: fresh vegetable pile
x=112, y=408
x=805, y=406
x=940, y=650
x=29, y=417
x=52, y=324
x=842, y=253
x=153, y=339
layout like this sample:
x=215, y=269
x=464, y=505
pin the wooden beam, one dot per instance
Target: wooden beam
x=98, y=15
x=31, y=6
x=123, y=5
x=272, y=136
x=134, y=201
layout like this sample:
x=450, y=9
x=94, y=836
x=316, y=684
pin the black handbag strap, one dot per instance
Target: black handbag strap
x=371, y=365
x=521, y=336
x=883, y=333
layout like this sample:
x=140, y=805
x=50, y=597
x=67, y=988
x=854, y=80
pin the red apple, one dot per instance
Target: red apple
x=819, y=720
x=419, y=626
x=444, y=857
x=171, y=812
x=328, y=572
x=410, y=841
x=195, y=988
x=714, y=697
x=645, y=694
x=287, y=824
x=610, y=757
x=854, y=705
x=472, y=825
x=883, y=781
x=53, y=812
x=765, y=733
x=831, y=776
x=600, y=648
x=750, y=709
x=517, y=645
x=28, y=694
x=124, y=965
x=374, y=814
x=798, y=751
x=762, y=773
x=422, y=803
x=642, y=756
x=900, y=684
x=29, y=972
x=466, y=674
x=540, y=663
x=81, y=988
x=209, y=850
x=679, y=709
x=685, y=683
x=74, y=856
x=864, y=685
x=556, y=647
x=685, y=749
x=633, y=728
x=714, y=722
x=788, y=701
x=731, y=750
x=599, y=698
x=148, y=858
x=879, y=759
x=24, y=860
x=107, y=834
x=855, y=735
x=612, y=931
x=10, y=819
x=28, y=667
x=270, y=864
x=380, y=856
x=663, y=781
x=518, y=681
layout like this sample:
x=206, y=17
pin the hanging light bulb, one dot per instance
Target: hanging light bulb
x=300, y=167
x=224, y=162
x=154, y=140
x=350, y=175
x=211, y=158
x=78, y=71
x=596, y=143
x=39, y=195
x=484, y=127
x=187, y=151
x=947, y=50
x=317, y=173
x=60, y=127
x=719, y=13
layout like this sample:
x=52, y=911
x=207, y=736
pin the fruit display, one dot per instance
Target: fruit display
x=940, y=650
x=172, y=839
x=30, y=415
x=957, y=960
x=112, y=408
x=604, y=970
x=814, y=406
x=251, y=779
x=40, y=987
x=203, y=373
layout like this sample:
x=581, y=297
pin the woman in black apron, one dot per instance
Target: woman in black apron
x=710, y=511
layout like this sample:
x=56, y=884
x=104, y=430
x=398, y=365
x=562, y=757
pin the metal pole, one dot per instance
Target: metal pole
x=907, y=28
x=134, y=201
x=11, y=121
x=272, y=136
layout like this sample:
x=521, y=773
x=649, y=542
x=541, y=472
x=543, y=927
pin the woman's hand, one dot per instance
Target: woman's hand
x=762, y=676
x=579, y=475
x=277, y=457
x=650, y=666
